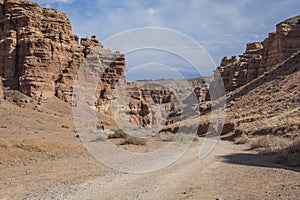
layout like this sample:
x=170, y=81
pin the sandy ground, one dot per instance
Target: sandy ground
x=227, y=173
x=41, y=158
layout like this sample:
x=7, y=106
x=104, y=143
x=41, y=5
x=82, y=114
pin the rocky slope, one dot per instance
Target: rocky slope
x=262, y=87
x=261, y=57
x=40, y=56
x=265, y=83
x=269, y=104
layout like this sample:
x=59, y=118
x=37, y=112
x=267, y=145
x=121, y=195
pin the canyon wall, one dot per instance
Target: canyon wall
x=37, y=46
x=261, y=57
x=40, y=56
x=153, y=106
x=164, y=102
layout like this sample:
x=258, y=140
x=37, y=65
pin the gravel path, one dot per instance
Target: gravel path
x=228, y=172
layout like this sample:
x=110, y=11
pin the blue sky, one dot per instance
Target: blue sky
x=222, y=27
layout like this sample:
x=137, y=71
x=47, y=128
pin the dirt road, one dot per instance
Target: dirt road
x=228, y=172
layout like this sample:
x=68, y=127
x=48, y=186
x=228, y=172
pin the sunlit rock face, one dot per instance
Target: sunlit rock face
x=40, y=56
x=261, y=57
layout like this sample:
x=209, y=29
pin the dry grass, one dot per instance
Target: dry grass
x=290, y=155
x=165, y=136
x=287, y=152
x=119, y=133
x=269, y=143
x=14, y=95
x=285, y=119
x=243, y=139
x=128, y=139
x=133, y=140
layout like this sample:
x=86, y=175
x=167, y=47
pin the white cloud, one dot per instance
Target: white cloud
x=152, y=11
x=222, y=27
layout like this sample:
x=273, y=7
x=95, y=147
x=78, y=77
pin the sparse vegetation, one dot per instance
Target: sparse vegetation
x=165, y=136
x=260, y=142
x=119, y=133
x=243, y=139
x=269, y=143
x=287, y=152
x=134, y=141
x=14, y=95
x=128, y=139
x=290, y=155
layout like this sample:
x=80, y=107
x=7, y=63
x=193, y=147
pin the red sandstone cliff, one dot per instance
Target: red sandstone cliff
x=261, y=57
x=40, y=56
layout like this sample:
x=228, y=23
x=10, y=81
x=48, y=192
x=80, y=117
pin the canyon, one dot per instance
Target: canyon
x=46, y=72
x=41, y=58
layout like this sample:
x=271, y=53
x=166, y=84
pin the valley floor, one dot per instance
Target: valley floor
x=46, y=160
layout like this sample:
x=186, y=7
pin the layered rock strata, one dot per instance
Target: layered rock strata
x=153, y=107
x=261, y=57
x=40, y=56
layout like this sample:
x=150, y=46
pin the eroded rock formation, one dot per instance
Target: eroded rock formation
x=37, y=46
x=261, y=57
x=153, y=106
x=165, y=102
x=40, y=56
x=112, y=81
